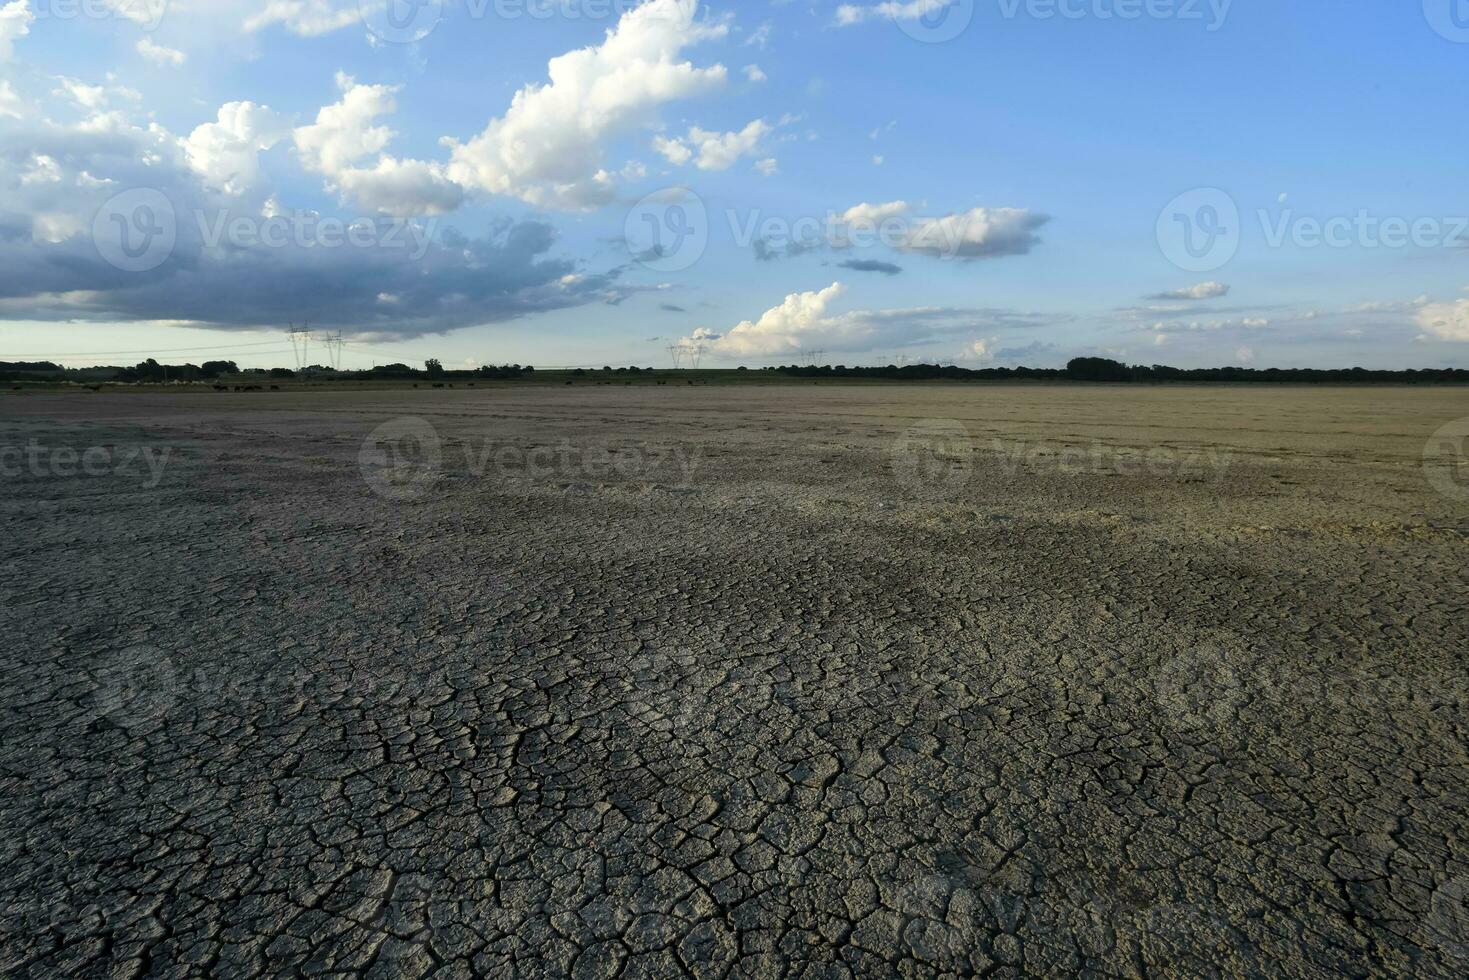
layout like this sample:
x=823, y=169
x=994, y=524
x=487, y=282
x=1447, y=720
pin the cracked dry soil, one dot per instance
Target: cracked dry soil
x=885, y=681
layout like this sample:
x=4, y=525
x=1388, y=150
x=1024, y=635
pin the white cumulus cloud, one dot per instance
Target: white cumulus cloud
x=850, y=13
x=44, y=170
x=15, y=23
x=145, y=13
x=10, y=103
x=980, y=350
x=346, y=133
x=806, y=321
x=160, y=55
x=711, y=150
x=1201, y=291
x=976, y=234
x=675, y=150
x=865, y=224
x=402, y=188
x=800, y=320
x=307, y=18
x=547, y=148
x=93, y=97
x=226, y=152
x=1446, y=321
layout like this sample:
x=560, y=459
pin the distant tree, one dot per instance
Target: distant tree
x=433, y=367
x=149, y=370
x=392, y=371
x=29, y=370
x=282, y=373
x=213, y=369
x=1097, y=369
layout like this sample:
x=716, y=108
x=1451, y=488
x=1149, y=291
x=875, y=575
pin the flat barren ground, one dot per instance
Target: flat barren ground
x=807, y=680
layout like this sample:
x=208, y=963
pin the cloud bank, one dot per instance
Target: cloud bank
x=806, y=321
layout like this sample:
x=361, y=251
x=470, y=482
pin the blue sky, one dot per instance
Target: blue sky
x=976, y=181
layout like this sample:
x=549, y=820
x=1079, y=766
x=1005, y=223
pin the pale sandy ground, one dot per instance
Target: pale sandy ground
x=806, y=680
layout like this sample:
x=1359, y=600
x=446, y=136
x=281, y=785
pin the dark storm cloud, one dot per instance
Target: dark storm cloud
x=871, y=265
x=767, y=250
x=69, y=240
x=403, y=283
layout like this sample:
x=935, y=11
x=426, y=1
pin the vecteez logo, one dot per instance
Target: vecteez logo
x=401, y=21
x=401, y=459
x=1211, y=13
x=309, y=230
x=940, y=21
x=147, y=14
x=933, y=457
x=668, y=230
x=1199, y=230
x=134, y=688
x=1448, y=18
x=1446, y=461
x=136, y=231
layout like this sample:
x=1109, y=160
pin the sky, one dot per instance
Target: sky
x=587, y=182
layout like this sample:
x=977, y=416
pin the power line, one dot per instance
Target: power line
x=99, y=360
x=362, y=350
x=301, y=344
x=334, y=344
x=153, y=350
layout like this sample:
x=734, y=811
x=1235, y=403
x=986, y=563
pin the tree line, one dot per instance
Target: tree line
x=1093, y=369
x=1101, y=369
x=152, y=372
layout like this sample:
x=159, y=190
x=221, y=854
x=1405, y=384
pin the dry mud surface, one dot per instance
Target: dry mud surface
x=814, y=681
